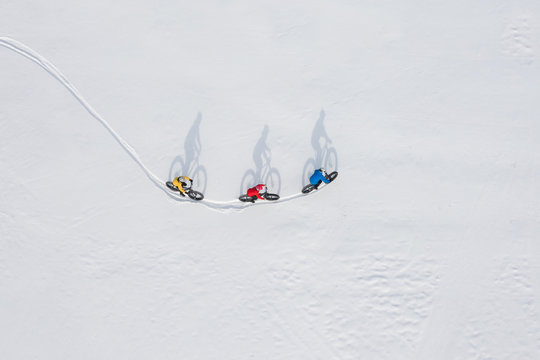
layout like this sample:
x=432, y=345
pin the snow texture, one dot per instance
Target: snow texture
x=425, y=247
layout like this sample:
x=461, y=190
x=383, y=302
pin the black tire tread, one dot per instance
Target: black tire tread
x=271, y=197
x=171, y=186
x=195, y=195
x=332, y=176
x=245, y=198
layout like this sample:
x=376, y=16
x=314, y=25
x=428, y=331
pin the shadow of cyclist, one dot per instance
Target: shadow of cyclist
x=325, y=156
x=263, y=172
x=261, y=153
x=189, y=165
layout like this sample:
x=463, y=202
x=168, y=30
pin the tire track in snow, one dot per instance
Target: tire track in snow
x=54, y=72
x=34, y=56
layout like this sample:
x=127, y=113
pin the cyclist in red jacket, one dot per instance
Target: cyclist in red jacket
x=257, y=192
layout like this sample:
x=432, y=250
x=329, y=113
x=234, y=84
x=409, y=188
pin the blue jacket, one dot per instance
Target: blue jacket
x=318, y=176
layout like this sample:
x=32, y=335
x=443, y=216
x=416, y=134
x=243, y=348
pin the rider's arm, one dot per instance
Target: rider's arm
x=323, y=178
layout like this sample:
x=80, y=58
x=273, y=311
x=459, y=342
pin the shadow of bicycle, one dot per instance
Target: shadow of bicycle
x=325, y=155
x=263, y=173
x=189, y=164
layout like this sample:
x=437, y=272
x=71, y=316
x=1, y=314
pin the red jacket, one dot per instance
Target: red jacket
x=254, y=192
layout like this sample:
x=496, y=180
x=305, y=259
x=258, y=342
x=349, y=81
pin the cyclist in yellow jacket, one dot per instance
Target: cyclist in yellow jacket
x=183, y=183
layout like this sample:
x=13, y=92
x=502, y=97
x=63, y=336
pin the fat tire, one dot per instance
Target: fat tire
x=271, y=197
x=171, y=186
x=308, y=188
x=195, y=195
x=245, y=198
x=332, y=176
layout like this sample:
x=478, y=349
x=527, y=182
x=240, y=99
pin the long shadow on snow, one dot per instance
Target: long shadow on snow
x=325, y=155
x=192, y=145
x=263, y=173
x=189, y=165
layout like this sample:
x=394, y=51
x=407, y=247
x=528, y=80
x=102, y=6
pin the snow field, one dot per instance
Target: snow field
x=425, y=247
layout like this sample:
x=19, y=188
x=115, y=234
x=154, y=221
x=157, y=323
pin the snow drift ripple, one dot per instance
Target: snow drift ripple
x=30, y=54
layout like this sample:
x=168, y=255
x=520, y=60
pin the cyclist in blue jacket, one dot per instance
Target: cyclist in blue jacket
x=319, y=176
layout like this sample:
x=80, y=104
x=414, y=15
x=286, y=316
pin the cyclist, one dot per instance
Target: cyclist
x=319, y=176
x=183, y=183
x=257, y=192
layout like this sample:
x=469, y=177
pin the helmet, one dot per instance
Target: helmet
x=186, y=182
x=261, y=188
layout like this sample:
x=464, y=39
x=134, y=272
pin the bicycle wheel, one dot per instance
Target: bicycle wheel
x=332, y=176
x=195, y=195
x=245, y=198
x=271, y=197
x=171, y=186
x=308, y=188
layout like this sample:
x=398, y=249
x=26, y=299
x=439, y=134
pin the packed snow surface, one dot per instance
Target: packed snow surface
x=426, y=246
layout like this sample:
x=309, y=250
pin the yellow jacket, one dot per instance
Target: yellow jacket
x=181, y=181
